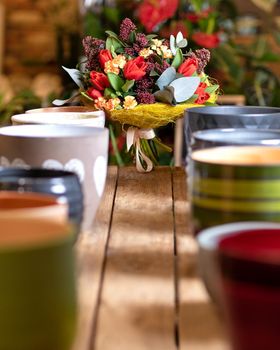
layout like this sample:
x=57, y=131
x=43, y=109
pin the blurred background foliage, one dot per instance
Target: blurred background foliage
x=245, y=49
x=241, y=54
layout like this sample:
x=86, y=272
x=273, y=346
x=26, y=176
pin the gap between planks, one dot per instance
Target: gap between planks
x=90, y=251
x=136, y=308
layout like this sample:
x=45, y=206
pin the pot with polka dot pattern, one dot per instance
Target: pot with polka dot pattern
x=79, y=149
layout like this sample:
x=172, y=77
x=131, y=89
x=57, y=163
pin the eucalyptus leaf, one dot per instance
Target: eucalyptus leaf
x=58, y=102
x=179, y=37
x=128, y=85
x=182, y=43
x=166, y=95
x=116, y=81
x=172, y=45
x=184, y=88
x=166, y=77
x=76, y=76
x=178, y=59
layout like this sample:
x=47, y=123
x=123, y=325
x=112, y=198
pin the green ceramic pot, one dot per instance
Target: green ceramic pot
x=230, y=184
x=37, y=289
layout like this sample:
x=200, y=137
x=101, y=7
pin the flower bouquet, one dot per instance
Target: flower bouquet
x=143, y=83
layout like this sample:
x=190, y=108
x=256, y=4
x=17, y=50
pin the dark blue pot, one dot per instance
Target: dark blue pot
x=64, y=185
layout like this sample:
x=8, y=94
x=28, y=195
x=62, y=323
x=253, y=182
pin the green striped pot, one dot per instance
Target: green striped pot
x=223, y=193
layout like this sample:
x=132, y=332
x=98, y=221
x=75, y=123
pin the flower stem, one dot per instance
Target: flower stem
x=120, y=162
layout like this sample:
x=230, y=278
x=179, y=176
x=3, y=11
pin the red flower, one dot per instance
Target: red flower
x=188, y=67
x=104, y=56
x=135, y=69
x=194, y=17
x=209, y=41
x=99, y=80
x=153, y=12
x=203, y=96
x=93, y=93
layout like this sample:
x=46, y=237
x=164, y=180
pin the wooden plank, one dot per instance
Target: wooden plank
x=90, y=255
x=2, y=28
x=200, y=326
x=178, y=141
x=137, y=302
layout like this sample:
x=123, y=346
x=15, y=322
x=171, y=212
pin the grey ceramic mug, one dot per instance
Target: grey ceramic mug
x=79, y=149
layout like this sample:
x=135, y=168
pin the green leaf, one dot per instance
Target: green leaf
x=86, y=96
x=192, y=99
x=115, y=81
x=162, y=145
x=269, y=57
x=184, y=88
x=153, y=73
x=178, y=59
x=76, y=75
x=151, y=36
x=166, y=95
x=166, y=77
x=109, y=93
x=132, y=37
x=112, y=34
x=210, y=104
x=113, y=44
x=128, y=85
x=211, y=89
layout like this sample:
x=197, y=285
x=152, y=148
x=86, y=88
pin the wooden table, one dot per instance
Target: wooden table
x=137, y=273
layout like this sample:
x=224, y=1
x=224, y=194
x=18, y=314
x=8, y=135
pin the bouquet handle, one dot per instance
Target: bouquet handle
x=133, y=138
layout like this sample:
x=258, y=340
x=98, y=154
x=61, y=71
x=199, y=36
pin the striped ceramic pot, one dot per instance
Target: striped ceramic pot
x=230, y=184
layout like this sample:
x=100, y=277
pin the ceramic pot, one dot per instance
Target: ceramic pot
x=32, y=205
x=208, y=243
x=92, y=119
x=250, y=268
x=237, y=117
x=224, y=137
x=64, y=185
x=234, y=183
x=82, y=150
x=37, y=290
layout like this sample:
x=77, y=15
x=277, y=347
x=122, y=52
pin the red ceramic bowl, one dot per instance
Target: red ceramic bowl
x=250, y=266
